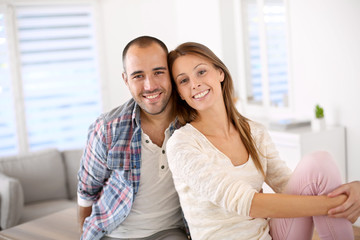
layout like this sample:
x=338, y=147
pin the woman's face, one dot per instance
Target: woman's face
x=198, y=81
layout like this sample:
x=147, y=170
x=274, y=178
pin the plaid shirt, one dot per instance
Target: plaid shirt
x=109, y=173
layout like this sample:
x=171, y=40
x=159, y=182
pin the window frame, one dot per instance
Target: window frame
x=18, y=101
x=263, y=110
x=8, y=7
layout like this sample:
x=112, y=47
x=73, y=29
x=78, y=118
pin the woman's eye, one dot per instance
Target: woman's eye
x=183, y=80
x=201, y=72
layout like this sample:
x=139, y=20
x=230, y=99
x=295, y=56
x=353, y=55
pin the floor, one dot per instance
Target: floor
x=356, y=234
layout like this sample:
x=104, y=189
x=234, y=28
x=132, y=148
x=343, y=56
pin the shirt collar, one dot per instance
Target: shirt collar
x=175, y=125
x=135, y=117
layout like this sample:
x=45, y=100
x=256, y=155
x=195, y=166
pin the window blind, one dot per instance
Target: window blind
x=266, y=24
x=59, y=74
x=8, y=138
x=254, y=84
x=277, y=57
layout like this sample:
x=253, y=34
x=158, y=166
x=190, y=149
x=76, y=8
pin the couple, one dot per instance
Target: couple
x=217, y=160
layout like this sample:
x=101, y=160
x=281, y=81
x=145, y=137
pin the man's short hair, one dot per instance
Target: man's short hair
x=142, y=42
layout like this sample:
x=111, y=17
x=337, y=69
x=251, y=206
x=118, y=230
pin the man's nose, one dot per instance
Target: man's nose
x=149, y=83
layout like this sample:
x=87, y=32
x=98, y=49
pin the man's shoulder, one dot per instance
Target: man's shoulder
x=117, y=120
x=122, y=112
x=125, y=110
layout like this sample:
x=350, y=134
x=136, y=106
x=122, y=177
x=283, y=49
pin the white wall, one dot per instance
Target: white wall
x=173, y=22
x=326, y=65
x=325, y=50
x=122, y=21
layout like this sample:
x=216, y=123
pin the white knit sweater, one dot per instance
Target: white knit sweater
x=216, y=196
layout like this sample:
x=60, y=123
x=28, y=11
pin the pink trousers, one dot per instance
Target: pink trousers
x=316, y=174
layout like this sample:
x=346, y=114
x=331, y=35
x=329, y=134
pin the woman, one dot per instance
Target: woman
x=220, y=160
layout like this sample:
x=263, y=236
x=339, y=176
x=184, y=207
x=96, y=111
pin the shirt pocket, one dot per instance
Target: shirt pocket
x=119, y=160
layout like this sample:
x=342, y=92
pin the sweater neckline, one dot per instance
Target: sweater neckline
x=216, y=149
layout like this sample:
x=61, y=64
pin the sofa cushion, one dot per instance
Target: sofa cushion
x=42, y=174
x=12, y=201
x=72, y=163
x=44, y=208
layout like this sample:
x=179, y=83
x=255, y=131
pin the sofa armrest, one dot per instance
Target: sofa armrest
x=12, y=201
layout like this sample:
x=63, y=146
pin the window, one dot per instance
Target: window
x=59, y=75
x=266, y=53
x=8, y=137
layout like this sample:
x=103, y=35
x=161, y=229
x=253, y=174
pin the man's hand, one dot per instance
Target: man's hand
x=83, y=212
x=350, y=209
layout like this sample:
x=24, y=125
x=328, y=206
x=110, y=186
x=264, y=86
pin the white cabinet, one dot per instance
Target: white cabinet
x=295, y=143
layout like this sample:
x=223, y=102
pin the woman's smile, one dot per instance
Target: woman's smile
x=201, y=95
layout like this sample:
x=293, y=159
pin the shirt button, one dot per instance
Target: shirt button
x=163, y=151
x=134, y=166
x=162, y=166
x=147, y=141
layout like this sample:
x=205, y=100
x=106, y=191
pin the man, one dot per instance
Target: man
x=125, y=187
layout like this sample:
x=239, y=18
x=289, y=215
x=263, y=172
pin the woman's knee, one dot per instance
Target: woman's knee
x=316, y=174
x=319, y=159
x=321, y=162
x=321, y=167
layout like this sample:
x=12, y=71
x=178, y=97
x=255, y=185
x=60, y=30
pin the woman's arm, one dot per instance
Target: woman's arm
x=193, y=166
x=289, y=206
x=277, y=173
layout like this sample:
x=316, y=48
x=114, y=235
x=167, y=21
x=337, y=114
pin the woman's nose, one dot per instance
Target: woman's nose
x=196, y=84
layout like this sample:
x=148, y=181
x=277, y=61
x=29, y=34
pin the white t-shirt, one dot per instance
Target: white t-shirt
x=156, y=206
x=216, y=196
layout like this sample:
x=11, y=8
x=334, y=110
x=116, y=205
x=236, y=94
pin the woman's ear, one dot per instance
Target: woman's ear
x=222, y=75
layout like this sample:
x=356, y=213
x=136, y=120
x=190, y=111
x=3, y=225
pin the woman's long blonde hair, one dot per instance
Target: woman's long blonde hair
x=187, y=114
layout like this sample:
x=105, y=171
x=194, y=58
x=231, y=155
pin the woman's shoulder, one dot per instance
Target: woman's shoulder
x=183, y=130
x=256, y=127
x=184, y=133
x=259, y=132
x=184, y=138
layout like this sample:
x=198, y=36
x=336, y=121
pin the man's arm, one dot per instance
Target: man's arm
x=350, y=209
x=83, y=212
x=93, y=171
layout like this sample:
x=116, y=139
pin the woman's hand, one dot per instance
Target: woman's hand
x=350, y=209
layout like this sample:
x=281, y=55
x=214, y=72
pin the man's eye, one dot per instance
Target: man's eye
x=159, y=72
x=138, y=76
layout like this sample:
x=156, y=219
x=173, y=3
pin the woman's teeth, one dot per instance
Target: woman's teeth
x=202, y=94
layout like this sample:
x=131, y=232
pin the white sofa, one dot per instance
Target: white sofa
x=37, y=184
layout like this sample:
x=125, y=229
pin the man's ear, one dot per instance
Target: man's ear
x=124, y=76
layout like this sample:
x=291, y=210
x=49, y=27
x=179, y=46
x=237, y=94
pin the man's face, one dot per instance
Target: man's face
x=148, y=78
